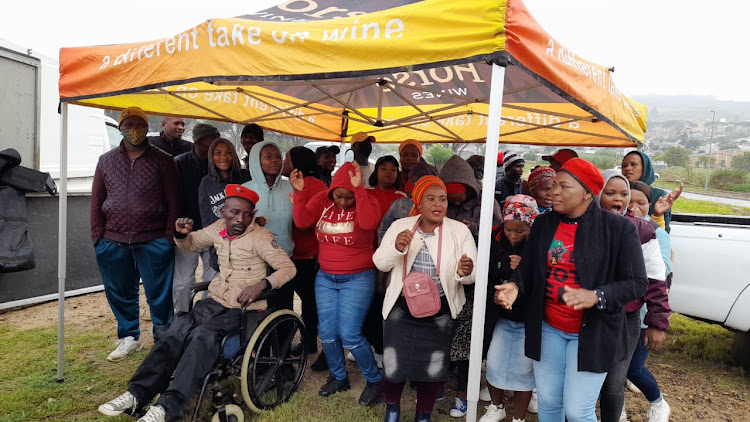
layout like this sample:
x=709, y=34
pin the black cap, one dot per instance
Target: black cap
x=331, y=148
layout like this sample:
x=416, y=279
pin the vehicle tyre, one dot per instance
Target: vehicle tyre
x=741, y=349
x=234, y=414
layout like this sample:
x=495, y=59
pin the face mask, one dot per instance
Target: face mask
x=134, y=136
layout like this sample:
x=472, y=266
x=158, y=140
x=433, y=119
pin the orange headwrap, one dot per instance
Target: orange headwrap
x=419, y=188
x=411, y=142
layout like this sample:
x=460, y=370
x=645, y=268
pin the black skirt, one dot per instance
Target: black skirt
x=417, y=349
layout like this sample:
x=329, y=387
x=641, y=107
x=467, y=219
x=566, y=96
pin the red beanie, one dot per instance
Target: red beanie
x=586, y=174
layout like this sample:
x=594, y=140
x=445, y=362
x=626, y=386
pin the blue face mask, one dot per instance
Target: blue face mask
x=134, y=136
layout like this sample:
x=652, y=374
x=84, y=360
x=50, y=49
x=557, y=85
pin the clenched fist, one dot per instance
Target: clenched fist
x=183, y=225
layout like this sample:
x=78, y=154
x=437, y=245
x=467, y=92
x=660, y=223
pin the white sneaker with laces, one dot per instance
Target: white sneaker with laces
x=493, y=414
x=379, y=360
x=459, y=408
x=155, y=414
x=116, y=406
x=125, y=346
x=350, y=357
x=631, y=387
x=484, y=394
x=534, y=403
x=659, y=412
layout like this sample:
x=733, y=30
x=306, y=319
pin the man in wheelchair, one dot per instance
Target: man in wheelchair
x=190, y=346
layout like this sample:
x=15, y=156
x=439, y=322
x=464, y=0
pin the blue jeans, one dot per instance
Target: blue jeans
x=343, y=301
x=640, y=376
x=121, y=266
x=563, y=390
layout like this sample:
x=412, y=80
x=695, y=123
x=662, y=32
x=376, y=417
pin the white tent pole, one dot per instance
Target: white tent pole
x=62, y=235
x=485, y=234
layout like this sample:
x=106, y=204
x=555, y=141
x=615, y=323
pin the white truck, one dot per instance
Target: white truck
x=710, y=283
x=30, y=123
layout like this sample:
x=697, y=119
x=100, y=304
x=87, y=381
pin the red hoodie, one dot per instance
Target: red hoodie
x=346, y=236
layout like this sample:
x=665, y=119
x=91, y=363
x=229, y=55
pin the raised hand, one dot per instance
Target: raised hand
x=183, y=225
x=580, y=298
x=356, y=176
x=297, y=180
x=465, y=266
x=403, y=240
x=506, y=295
x=663, y=204
x=514, y=261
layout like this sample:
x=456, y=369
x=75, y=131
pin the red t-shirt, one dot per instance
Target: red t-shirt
x=561, y=272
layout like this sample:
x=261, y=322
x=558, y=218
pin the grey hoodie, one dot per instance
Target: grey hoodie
x=457, y=170
x=211, y=191
x=607, y=175
x=273, y=202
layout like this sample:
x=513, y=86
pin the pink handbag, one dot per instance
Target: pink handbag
x=421, y=293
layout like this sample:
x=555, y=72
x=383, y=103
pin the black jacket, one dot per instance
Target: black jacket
x=504, y=187
x=173, y=147
x=608, y=257
x=190, y=172
x=500, y=273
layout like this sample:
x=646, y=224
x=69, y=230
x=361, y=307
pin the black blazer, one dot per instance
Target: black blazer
x=608, y=257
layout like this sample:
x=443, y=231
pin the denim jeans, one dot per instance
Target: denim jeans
x=639, y=375
x=343, y=301
x=121, y=266
x=563, y=390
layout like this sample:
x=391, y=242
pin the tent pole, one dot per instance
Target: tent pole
x=485, y=234
x=62, y=236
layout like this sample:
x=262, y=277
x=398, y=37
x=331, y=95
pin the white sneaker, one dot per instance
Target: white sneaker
x=659, y=412
x=534, y=403
x=350, y=357
x=519, y=420
x=379, y=360
x=631, y=387
x=493, y=414
x=484, y=394
x=155, y=414
x=125, y=346
x=118, y=405
x=459, y=408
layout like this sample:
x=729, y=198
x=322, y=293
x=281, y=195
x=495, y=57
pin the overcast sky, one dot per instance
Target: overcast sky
x=657, y=46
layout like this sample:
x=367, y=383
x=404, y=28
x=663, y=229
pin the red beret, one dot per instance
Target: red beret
x=239, y=191
x=586, y=173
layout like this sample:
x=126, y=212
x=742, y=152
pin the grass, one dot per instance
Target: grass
x=692, y=206
x=698, y=341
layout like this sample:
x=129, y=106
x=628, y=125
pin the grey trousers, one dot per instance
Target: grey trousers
x=185, y=263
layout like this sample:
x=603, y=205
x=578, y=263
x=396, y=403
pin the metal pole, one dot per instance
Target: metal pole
x=710, y=141
x=61, y=240
x=485, y=233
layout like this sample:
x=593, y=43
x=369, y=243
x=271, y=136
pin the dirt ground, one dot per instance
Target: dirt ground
x=695, y=390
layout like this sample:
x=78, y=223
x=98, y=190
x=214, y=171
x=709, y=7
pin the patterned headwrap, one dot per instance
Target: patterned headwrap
x=539, y=176
x=419, y=188
x=520, y=207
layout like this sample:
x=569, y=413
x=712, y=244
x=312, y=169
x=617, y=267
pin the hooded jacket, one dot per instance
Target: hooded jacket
x=648, y=177
x=273, y=202
x=656, y=300
x=457, y=170
x=211, y=191
x=346, y=236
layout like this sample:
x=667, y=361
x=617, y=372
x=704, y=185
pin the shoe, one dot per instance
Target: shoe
x=631, y=387
x=623, y=415
x=372, y=394
x=333, y=386
x=493, y=414
x=320, y=364
x=379, y=360
x=519, y=420
x=125, y=346
x=120, y=404
x=422, y=416
x=350, y=357
x=440, y=395
x=659, y=412
x=392, y=412
x=459, y=408
x=155, y=414
x=534, y=403
x=484, y=394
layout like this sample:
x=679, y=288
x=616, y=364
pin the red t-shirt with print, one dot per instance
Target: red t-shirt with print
x=561, y=272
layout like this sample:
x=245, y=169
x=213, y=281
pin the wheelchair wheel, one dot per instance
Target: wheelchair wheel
x=270, y=374
x=233, y=412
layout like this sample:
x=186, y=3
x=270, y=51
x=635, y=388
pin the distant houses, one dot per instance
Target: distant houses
x=719, y=159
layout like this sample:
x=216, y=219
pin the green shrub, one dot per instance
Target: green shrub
x=723, y=179
x=739, y=188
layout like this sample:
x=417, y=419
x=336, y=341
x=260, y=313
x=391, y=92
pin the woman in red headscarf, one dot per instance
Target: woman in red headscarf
x=417, y=349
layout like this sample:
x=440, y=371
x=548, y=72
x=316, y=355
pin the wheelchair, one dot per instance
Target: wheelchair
x=267, y=360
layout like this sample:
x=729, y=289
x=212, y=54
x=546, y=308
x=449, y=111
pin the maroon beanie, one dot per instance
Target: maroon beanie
x=585, y=173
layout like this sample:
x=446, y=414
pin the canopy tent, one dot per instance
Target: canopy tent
x=432, y=70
